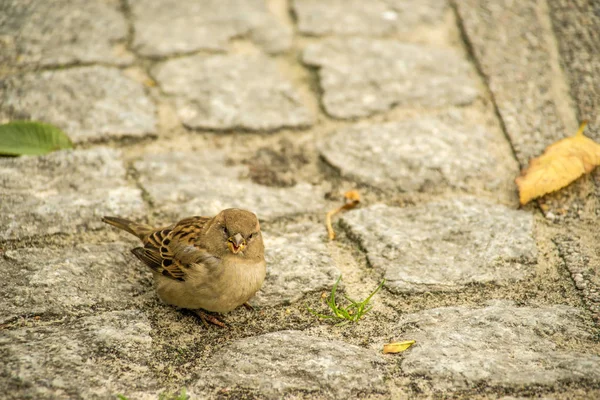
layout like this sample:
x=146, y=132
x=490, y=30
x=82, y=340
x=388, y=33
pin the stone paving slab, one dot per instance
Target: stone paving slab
x=499, y=344
x=182, y=184
x=88, y=103
x=298, y=263
x=445, y=245
x=64, y=192
x=275, y=364
x=576, y=23
x=62, y=32
x=428, y=152
x=232, y=92
x=508, y=42
x=361, y=77
x=65, y=281
x=375, y=18
x=93, y=358
x=183, y=26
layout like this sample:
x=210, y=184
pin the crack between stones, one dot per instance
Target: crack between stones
x=560, y=85
x=475, y=61
x=156, y=59
x=245, y=130
x=293, y=17
x=126, y=10
x=134, y=177
x=590, y=305
x=314, y=86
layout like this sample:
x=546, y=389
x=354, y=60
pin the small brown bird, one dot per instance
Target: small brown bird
x=215, y=264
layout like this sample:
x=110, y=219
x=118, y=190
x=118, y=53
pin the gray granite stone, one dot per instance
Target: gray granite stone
x=428, y=152
x=66, y=280
x=375, y=18
x=173, y=27
x=92, y=358
x=64, y=192
x=88, y=103
x=499, y=344
x=232, y=92
x=575, y=23
x=445, y=245
x=361, y=77
x=202, y=183
x=279, y=363
x=62, y=32
x=298, y=263
x=510, y=44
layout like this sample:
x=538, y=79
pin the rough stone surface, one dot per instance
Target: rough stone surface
x=88, y=103
x=499, y=344
x=62, y=32
x=66, y=280
x=582, y=261
x=92, y=358
x=515, y=59
x=213, y=104
x=377, y=17
x=424, y=152
x=282, y=362
x=298, y=263
x=576, y=23
x=232, y=92
x=64, y=192
x=174, y=27
x=201, y=183
x=360, y=77
x=445, y=245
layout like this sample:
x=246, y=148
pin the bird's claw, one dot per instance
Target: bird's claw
x=206, y=318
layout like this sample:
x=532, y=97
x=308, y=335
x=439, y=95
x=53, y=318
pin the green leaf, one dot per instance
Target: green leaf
x=31, y=138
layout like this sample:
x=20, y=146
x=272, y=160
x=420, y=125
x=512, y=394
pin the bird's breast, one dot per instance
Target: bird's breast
x=220, y=289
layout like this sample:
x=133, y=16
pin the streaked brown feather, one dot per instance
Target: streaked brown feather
x=149, y=257
x=164, y=243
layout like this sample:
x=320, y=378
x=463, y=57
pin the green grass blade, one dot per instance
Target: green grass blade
x=350, y=313
x=313, y=312
x=354, y=303
x=374, y=292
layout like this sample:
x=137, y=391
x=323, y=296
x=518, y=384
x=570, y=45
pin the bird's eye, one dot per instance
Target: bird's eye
x=252, y=235
x=225, y=231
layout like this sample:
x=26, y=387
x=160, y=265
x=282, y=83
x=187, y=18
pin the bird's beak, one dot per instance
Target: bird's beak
x=236, y=243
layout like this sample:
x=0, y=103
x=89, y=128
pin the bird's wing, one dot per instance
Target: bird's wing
x=171, y=250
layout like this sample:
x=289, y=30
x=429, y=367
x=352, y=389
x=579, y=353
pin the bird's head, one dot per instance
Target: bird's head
x=237, y=232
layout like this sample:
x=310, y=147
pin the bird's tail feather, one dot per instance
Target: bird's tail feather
x=139, y=230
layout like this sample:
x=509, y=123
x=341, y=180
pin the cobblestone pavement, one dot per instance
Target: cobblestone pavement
x=178, y=108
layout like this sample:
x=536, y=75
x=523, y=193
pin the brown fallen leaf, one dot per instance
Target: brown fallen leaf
x=352, y=199
x=561, y=163
x=397, y=347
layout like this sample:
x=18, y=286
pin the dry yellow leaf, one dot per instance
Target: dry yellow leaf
x=398, y=347
x=352, y=198
x=561, y=163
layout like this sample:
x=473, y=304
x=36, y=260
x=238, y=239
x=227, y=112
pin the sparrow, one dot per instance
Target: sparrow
x=201, y=263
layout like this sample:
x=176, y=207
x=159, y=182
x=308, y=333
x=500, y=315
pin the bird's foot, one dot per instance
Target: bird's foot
x=206, y=318
x=248, y=307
